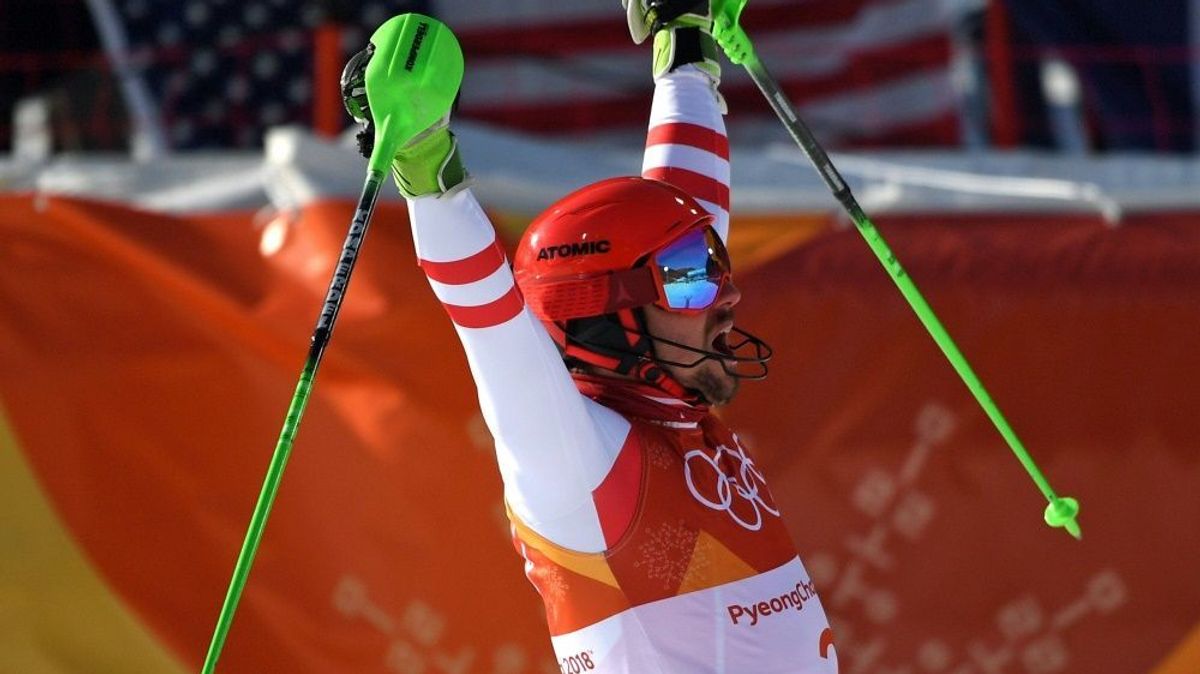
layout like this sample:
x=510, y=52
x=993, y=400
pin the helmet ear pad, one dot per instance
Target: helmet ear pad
x=615, y=341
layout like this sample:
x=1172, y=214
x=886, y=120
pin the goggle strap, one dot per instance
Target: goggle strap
x=608, y=292
x=592, y=296
x=631, y=327
x=631, y=288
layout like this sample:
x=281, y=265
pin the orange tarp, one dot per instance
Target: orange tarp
x=146, y=363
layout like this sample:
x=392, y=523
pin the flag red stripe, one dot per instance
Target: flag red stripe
x=942, y=131
x=692, y=135
x=467, y=270
x=698, y=185
x=490, y=314
x=865, y=70
x=576, y=36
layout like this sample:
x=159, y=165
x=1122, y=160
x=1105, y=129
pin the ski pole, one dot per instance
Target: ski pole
x=403, y=45
x=1060, y=511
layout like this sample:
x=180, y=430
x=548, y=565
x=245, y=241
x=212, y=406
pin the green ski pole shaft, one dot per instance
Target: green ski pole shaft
x=291, y=423
x=1062, y=511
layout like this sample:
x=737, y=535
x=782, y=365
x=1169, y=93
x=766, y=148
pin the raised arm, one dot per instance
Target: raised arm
x=686, y=144
x=553, y=446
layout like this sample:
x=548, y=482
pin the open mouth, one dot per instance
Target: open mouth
x=720, y=343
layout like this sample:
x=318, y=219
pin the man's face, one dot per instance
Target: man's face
x=706, y=331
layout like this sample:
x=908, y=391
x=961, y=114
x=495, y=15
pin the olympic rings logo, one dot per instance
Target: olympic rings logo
x=743, y=484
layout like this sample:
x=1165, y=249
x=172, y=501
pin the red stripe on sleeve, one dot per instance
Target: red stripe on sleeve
x=490, y=314
x=692, y=135
x=698, y=185
x=467, y=270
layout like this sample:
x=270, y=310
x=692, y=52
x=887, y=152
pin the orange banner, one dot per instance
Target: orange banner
x=148, y=361
x=919, y=525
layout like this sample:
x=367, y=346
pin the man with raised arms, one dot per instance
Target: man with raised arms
x=644, y=522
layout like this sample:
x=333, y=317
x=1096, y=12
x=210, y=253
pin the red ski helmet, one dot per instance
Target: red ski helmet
x=576, y=259
x=582, y=268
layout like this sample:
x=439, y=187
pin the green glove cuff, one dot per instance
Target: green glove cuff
x=429, y=164
x=675, y=47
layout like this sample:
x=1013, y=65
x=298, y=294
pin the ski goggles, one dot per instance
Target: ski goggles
x=690, y=271
x=684, y=276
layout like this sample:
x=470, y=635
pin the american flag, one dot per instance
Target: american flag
x=864, y=72
x=870, y=72
x=222, y=71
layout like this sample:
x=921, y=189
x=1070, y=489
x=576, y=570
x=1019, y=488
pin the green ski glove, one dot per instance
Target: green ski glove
x=426, y=163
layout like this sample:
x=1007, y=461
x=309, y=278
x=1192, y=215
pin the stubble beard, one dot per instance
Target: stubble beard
x=716, y=385
x=712, y=380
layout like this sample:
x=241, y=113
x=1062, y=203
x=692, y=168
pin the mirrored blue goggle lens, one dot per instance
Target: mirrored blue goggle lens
x=692, y=270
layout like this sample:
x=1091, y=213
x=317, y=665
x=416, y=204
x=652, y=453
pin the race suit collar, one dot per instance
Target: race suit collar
x=639, y=400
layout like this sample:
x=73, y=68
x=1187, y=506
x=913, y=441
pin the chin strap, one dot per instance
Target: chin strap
x=621, y=343
x=653, y=374
x=758, y=361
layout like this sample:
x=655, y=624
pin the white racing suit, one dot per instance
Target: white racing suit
x=645, y=525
